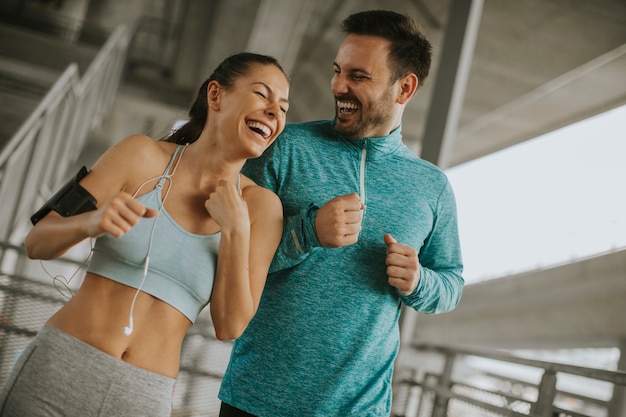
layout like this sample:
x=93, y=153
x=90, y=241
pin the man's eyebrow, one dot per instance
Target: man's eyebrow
x=354, y=70
x=271, y=90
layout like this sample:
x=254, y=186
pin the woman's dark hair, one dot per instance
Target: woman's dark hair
x=410, y=51
x=226, y=73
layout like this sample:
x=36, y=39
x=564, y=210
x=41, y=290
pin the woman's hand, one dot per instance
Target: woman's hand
x=227, y=208
x=117, y=216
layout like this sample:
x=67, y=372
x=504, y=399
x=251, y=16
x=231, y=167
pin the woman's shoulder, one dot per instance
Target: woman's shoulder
x=142, y=152
x=132, y=160
x=257, y=196
x=142, y=145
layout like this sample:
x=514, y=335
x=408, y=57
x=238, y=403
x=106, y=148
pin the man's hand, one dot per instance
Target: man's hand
x=403, y=270
x=338, y=222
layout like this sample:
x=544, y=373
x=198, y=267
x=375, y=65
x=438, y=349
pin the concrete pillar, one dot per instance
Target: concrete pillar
x=449, y=89
x=278, y=30
x=108, y=14
x=197, y=22
x=205, y=40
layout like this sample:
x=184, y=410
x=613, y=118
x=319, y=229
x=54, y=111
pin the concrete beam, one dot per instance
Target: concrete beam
x=580, y=93
x=576, y=305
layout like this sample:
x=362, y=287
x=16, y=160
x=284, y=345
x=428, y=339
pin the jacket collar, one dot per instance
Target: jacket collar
x=377, y=146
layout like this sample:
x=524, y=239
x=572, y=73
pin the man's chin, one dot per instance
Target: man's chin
x=345, y=131
x=339, y=124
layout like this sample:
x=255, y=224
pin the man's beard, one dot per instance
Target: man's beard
x=369, y=118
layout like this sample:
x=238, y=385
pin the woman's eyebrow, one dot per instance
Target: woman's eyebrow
x=283, y=99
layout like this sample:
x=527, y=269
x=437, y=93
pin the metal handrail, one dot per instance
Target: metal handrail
x=439, y=388
x=35, y=160
x=615, y=377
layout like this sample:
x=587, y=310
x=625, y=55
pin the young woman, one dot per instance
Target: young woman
x=164, y=211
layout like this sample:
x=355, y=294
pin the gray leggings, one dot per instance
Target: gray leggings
x=59, y=375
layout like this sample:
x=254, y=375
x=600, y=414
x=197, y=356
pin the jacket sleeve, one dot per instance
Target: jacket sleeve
x=441, y=266
x=298, y=241
x=299, y=237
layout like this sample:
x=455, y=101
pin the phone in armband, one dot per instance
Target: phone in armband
x=70, y=200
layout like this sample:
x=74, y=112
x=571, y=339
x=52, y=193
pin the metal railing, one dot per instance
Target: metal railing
x=35, y=160
x=444, y=385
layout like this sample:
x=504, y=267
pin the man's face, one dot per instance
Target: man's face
x=365, y=103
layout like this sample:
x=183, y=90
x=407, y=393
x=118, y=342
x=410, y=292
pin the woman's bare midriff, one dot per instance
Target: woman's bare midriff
x=99, y=312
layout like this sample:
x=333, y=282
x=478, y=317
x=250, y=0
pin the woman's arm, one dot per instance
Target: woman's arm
x=116, y=210
x=247, y=247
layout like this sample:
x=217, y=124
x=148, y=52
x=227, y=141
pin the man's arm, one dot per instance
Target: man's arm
x=298, y=238
x=337, y=223
x=440, y=263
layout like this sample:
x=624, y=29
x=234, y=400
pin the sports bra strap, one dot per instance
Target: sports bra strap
x=166, y=174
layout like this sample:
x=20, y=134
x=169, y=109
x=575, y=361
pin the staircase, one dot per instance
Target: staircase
x=51, y=92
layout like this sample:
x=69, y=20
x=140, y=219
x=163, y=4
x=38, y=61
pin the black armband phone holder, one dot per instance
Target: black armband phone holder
x=71, y=199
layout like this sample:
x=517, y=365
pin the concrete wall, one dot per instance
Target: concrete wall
x=582, y=304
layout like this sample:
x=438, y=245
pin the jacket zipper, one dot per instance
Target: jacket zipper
x=362, y=174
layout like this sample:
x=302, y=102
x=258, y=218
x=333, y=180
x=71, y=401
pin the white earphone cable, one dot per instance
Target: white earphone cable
x=128, y=330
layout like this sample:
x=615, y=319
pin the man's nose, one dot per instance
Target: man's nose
x=338, y=85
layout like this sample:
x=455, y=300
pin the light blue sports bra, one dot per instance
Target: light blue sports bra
x=181, y=267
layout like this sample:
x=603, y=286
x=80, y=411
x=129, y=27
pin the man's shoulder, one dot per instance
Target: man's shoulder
x=307, y=130
x=420, y=168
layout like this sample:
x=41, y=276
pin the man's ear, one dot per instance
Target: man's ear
x=408, y=86
x=214, y=95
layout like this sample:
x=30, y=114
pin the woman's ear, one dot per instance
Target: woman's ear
x=214, y=95
x=408, y=86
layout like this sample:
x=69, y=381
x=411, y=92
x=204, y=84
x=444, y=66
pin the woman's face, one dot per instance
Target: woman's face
x=257, y=104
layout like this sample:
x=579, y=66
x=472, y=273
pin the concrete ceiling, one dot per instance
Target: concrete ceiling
x=537, y=65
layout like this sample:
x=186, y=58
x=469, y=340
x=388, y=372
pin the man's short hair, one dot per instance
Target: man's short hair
x=410, y=51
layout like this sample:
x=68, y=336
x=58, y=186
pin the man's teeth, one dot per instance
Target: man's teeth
x=346, y=106
x=260, y=128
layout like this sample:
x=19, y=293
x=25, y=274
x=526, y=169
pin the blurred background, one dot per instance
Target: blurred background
x=524, y=109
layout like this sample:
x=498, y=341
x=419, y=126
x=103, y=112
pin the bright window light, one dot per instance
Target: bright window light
x=547, y=201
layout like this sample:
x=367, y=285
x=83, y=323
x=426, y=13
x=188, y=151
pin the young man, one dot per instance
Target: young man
x=368, y=226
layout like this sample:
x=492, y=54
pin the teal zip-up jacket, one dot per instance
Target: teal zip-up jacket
x=324, y=339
